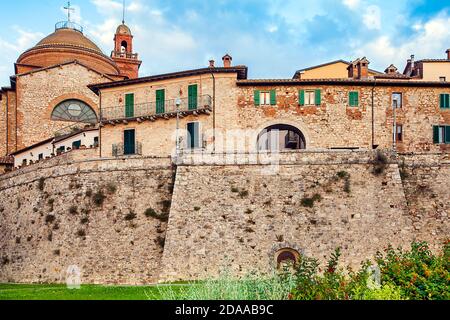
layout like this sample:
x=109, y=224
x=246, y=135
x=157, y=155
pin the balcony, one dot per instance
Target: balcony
x=120, y=150
x=153, y=111
x=124, y=55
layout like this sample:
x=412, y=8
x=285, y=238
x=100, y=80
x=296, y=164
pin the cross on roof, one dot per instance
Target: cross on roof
x=69, y=8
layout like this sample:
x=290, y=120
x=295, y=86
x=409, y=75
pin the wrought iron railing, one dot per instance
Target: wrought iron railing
x=119, y=150
x=68, y=25
x=126, y=55
x=168, y=107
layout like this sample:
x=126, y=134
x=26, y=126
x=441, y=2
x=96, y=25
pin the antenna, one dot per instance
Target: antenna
x=123, y=15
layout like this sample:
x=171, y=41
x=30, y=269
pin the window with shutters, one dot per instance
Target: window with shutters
x=441, y=134
x=265, y=98
x=353, y=98
x=444, y=101
x=310, y=98
x=397, y=100
x=193, y=135
x=160, y=101
x=129, y=105
x=399, y=132
x=193, y=97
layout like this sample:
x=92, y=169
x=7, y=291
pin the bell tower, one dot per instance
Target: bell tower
x=127, y=61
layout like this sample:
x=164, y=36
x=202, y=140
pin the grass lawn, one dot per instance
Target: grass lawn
x=87, y=292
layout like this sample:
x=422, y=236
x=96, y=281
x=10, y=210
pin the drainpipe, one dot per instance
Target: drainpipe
x=7, y=123
x=373, y=114
x=100, y=124
x=214, y=112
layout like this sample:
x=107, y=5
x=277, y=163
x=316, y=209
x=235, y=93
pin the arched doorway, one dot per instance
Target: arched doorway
x=281, y=137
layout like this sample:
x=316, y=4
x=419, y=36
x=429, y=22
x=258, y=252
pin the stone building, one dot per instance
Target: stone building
x=49, y=87
x=221, y=110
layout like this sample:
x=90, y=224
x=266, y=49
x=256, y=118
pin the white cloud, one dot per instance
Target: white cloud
x=352, y=4
x=430, y=41
x=372, y=17
x=272, y=28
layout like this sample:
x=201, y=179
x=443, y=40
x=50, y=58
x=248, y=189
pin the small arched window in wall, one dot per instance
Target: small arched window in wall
x=123, y=46
x=287, y=258
x=74, y=111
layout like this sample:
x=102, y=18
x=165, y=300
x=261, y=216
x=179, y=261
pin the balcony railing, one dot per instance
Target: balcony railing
x=119, y=150
x=69, y=25
x=155, y=110
x=125, y=55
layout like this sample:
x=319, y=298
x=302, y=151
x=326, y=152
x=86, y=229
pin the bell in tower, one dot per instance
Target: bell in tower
x=127, y=61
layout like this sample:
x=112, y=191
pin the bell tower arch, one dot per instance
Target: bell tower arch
x=127, y=61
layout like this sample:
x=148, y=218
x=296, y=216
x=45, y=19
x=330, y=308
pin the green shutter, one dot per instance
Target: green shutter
x=301, y=95
x=353, y=98
x=273, y=97
x=318, y=97
x=129, y=105
x=447, y=134
x=444, y=101
x=435, y=134
x=256, y=97
x=193, y=97
x=160, y=101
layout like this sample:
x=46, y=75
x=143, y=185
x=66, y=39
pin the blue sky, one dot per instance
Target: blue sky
x=273, y=38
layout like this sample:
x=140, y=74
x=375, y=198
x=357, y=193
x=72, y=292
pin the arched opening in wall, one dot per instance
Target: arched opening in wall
x=124, y=46
x=287, y=258
x=74, y=111
x=281, y=137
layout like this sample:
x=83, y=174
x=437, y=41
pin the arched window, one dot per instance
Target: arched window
x=281, y=137
x=287, y=257
x=123, y=46
x=74, y=111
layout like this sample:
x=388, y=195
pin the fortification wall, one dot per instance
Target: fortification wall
x=237, y=217
x=426, y=180
x=51, y=218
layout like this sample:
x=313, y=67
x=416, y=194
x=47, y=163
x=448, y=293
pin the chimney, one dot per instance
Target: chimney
x=412, y=62
x=227, y=61
x=448, y=54
x=352, y=69
x=391, y=69
x=363, y=68
x=211, y=63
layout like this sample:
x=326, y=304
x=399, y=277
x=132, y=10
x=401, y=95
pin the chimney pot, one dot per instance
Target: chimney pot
x=227, y=61
x=211, y=63
x=448, y=54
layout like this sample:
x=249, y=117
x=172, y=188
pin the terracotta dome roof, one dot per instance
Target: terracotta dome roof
x=68, y=37
x=123, y=29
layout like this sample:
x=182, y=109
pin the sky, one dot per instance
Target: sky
x=274, y=38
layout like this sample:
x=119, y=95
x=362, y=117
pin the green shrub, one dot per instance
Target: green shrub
x=380, y=163
x=111, y=188
x=151, y=213
x=234, y=190
x=343, y=175
x=41, y=184
x=419, y=273
x=98, y=198
x=50, y=218
x=73, y=210
x=309, y=202
x=243, y=193
x=81, y=233
x=130, y=216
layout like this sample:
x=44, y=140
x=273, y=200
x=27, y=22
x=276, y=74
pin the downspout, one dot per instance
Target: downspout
x=373, y=114
x=7, y=123
x=214, y=112
x=100, y=124
x=16, y=120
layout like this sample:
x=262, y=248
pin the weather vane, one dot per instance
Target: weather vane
x=68, y=8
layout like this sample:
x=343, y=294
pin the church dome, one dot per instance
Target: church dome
x=67, y=43
x=68, y=37
x=123, y=29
